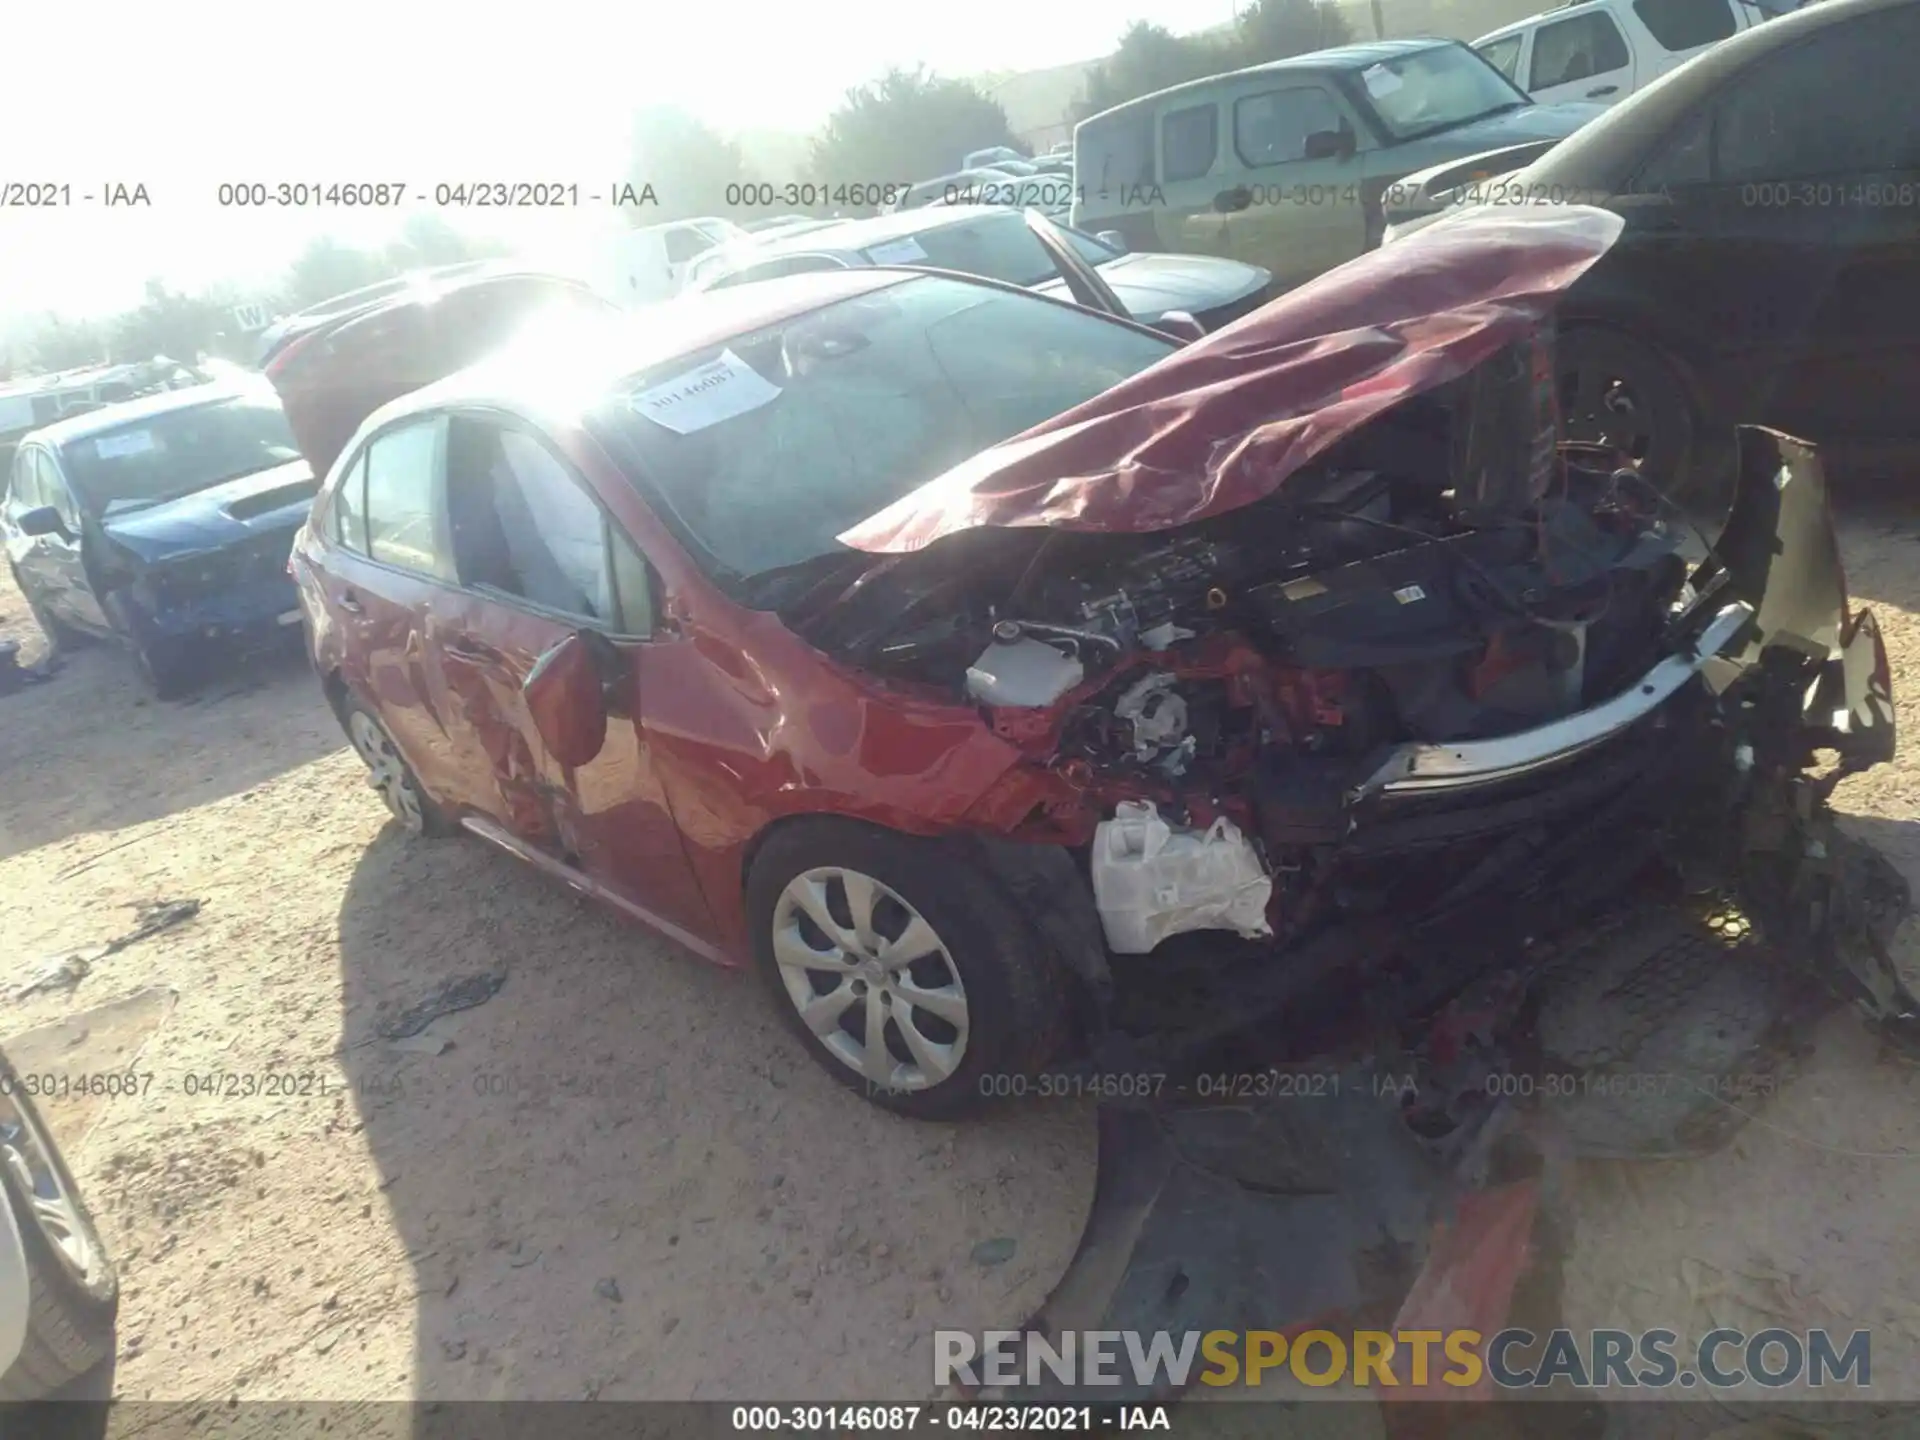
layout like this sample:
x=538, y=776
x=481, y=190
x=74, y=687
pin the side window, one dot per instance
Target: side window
x=348, y=516
x=401, y=470
x=23, y=493
x=50, y=489
x=1272, y=128
x=1684, y=24
x=523, y=525
x=1793, y=118
x=1188, y=140
x=632, y=585
x=1576, y=49
x=1504, y=55
x=1685, y=157
x=685, y=243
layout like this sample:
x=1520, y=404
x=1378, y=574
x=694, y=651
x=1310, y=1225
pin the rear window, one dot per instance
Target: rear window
x=1683, y=24
x=1114, y=153
x=998, y=246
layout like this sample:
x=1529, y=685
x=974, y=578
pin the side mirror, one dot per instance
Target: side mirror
x=1330, y=145
x=1113, y=240
x=568, y=692
x=42, y=520
x=1182, y=326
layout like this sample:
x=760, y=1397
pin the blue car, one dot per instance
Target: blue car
x=164, y=523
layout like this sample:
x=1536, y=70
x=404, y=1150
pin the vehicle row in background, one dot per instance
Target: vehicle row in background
x=998, y=244
x=1288, y=165
x=163, y=523
x=1604, y=50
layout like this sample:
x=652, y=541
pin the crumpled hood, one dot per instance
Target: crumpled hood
x=1223, y=422
x=218, y=516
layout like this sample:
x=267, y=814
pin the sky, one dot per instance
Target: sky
x=186, y=97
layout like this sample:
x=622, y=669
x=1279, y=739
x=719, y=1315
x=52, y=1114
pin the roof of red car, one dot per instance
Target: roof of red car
x=593, y=358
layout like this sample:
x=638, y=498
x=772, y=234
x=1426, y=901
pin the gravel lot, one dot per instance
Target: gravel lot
x=621, y=1179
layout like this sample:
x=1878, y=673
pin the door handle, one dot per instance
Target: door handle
x=350, y=603
x=1602, y=90
x=1238, y=198
x=462, y=649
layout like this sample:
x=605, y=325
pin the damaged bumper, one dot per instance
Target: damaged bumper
x=1362, y=1144
x=1419, y=769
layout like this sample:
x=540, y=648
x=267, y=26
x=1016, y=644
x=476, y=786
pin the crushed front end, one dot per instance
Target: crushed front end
x=1409, y=757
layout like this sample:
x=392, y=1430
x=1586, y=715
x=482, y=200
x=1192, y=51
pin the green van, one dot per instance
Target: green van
x=1286, y=165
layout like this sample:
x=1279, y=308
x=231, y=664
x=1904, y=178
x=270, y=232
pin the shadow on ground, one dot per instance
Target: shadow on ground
x=625, y=1180
x=91, y=751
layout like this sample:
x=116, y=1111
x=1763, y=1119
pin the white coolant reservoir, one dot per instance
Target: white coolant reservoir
x=1020, y=670
x=1151, y=880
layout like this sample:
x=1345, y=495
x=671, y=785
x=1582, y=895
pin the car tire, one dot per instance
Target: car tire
x=73, y=1292
x=389, y=773
x=166, y=668
x=991, y=996
x=1622, y=392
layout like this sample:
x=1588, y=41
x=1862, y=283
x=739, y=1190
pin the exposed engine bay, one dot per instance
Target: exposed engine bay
x=1444, y=574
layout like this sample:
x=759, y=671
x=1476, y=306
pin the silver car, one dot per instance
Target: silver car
x=996, y=242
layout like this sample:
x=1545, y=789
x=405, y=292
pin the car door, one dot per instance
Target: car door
x=539, y=559
x=1583, y=57
x=60, y=560
x=1824, y=176
x=1288, y=205
x=391, y=559
x=24, y=552
x=1191, y=166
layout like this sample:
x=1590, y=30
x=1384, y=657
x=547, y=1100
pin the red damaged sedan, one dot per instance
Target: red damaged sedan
x=942, y=649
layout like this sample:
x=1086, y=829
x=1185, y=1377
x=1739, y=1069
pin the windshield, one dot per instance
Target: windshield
x=1433, y=90
x=178, y=452
x=759, y=453
x=999, y=246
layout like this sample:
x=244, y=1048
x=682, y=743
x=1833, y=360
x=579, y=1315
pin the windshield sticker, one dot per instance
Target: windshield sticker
x=131, y=442
x=1380, y=80
x=904, y=251
x=716, y=391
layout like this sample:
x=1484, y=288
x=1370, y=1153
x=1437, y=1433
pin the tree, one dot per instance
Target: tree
x=60, y=344
x=688, y=163
x=908, y=125
x=1278, y=29
x=327, y=268
x=169, y=323
x=1150, y=58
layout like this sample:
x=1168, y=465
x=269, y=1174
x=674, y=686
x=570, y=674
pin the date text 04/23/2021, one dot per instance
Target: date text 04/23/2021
x=936, y=1419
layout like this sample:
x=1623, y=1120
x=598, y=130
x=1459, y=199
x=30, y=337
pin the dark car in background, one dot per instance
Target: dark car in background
x=1770, y=266
x=164, y=523
x=997, y=243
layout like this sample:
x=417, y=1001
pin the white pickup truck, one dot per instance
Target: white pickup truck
x=1601, y=51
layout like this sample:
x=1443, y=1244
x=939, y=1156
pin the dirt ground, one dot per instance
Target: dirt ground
x=621, y=1178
